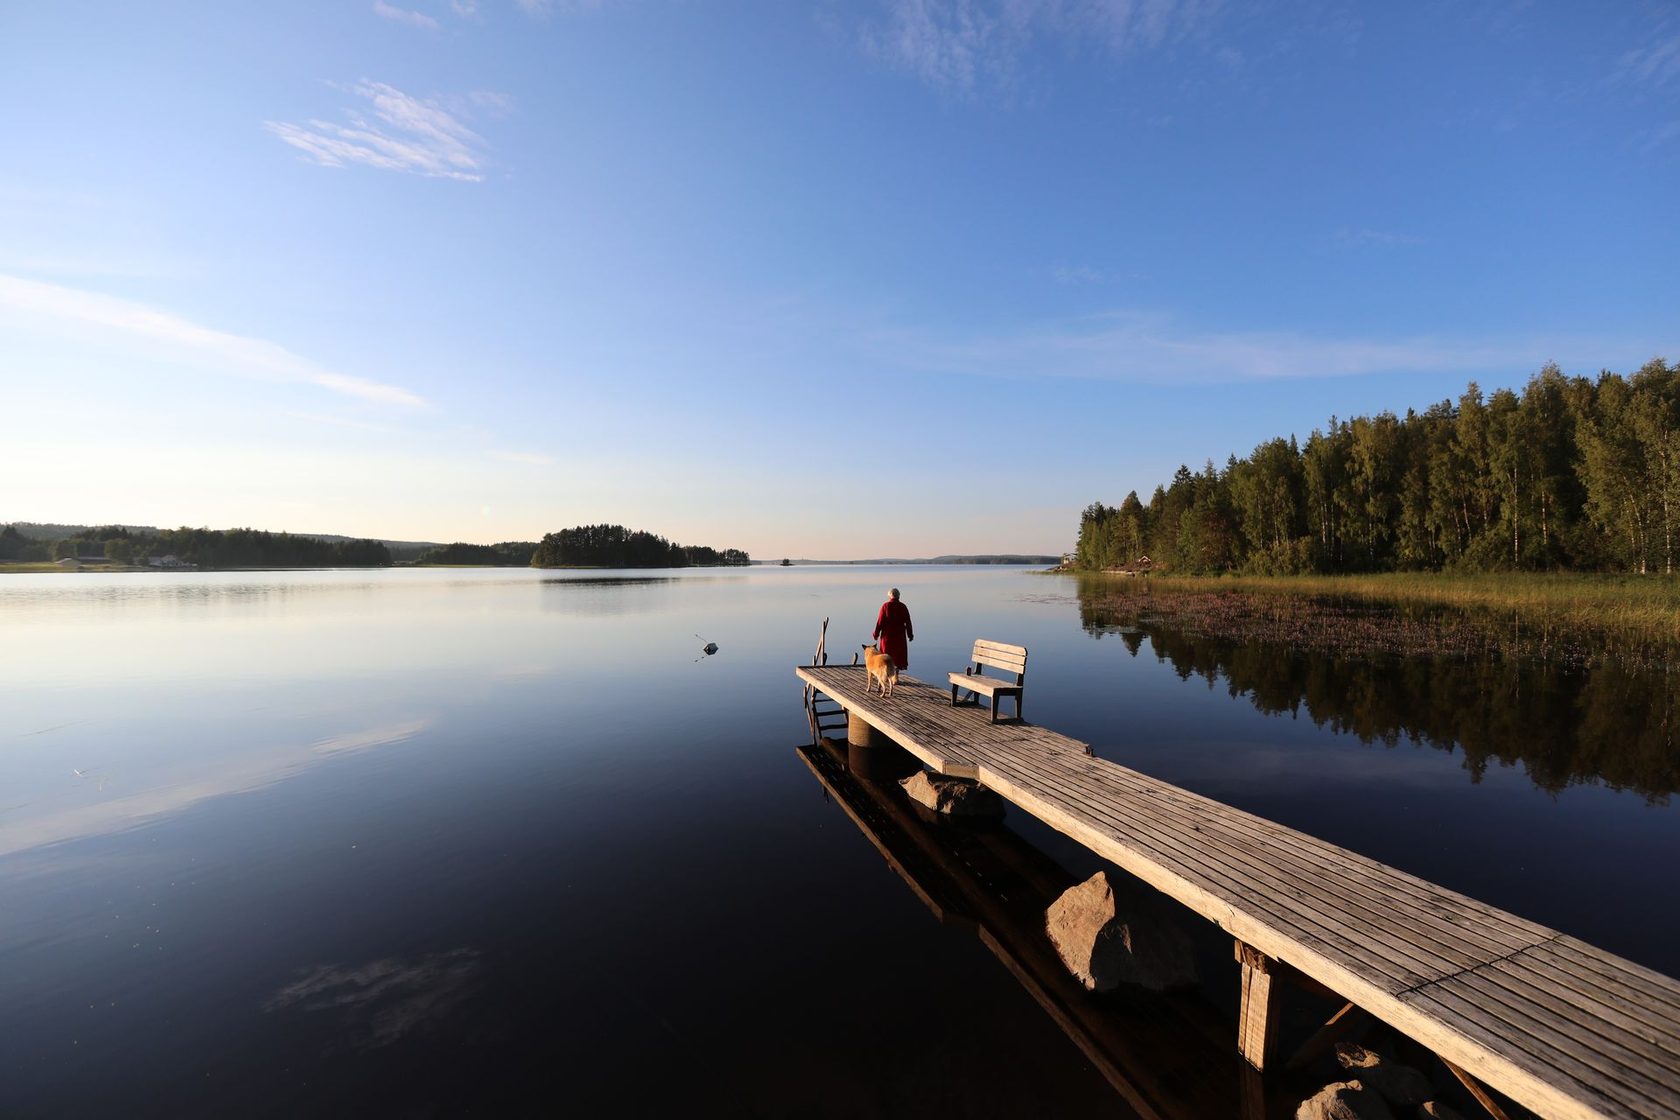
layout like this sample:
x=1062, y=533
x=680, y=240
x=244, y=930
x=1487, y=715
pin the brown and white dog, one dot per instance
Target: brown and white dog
x=880, y=666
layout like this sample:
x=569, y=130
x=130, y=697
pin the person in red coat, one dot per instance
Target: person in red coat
x=893, y=632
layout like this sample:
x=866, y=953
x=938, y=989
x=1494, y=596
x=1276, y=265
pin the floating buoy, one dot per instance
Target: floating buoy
x=708, y=649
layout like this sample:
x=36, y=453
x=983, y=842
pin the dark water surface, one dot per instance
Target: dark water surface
x=425, y=842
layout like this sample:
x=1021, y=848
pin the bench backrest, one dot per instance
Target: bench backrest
x=1011, y=659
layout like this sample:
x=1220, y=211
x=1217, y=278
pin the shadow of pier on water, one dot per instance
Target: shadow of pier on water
x=1169, y=1056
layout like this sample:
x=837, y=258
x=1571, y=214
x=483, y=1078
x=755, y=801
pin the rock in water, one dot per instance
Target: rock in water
x=1398, y=1084
x=1344, y=1100
x=956, y=797
x=1111, y=932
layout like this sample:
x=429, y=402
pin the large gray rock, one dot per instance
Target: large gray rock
x=955, y=797
x=1111, y=931
x=1344, y=1100
x=1398, y=1084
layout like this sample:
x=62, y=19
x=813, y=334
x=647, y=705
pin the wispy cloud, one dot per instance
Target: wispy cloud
x=408, y=134
x=529, y=458
x=250, y=355
x=545, y=7
x=65, y=230
x=1077, y=274
x=960, y=46
x=491, y=101
x=1154, y=348
x=1656, y=63
x=90, y=264
x=1662, y=135
x=334, y=421
x=1378, y=237
x=404, y=15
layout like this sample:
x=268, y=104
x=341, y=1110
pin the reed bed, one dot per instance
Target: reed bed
x=1570, y=619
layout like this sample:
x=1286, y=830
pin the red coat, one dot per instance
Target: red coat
x=893, y=629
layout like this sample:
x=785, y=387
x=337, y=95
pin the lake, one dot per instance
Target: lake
x=425, y=841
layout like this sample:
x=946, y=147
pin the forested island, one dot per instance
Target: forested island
x=614, y=546
x=585, y=546
x=198, y=548
x=1570, y=474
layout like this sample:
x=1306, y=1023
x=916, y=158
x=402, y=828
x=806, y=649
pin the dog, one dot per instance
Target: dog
x=880, y=666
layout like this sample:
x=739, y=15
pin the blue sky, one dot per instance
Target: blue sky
x=826, y=279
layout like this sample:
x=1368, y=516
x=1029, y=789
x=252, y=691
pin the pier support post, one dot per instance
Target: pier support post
x=1251, y=1088
x=873, y=756
x=1256, y=1023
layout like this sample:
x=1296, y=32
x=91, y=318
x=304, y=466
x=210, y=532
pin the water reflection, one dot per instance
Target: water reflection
x=49, y=593
x=602, y=581
x=380, y=1002
x=59, y=814
x=1606, y=725
x=1166, y=1055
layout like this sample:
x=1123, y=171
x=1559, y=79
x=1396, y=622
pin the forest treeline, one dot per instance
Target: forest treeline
x=614, y=546
x=205, y=548
x=1569, y=474
x=507, y=554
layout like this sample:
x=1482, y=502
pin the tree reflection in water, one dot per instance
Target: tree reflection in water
x=1604, y=724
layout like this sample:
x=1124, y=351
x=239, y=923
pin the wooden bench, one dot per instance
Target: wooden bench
x=1011, y=659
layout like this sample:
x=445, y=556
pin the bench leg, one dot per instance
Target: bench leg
x=953, y=696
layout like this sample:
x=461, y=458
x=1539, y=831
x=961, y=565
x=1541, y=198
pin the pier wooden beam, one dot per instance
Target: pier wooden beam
x=1483, y=1097
x=1256, y=1023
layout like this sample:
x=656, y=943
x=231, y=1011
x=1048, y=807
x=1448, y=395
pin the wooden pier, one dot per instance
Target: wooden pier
x=1555, y=1024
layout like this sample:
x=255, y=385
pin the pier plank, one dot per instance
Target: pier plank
x=1458, y=928
x=1559, y=1026
x=1233, y=870
x=1424, y=948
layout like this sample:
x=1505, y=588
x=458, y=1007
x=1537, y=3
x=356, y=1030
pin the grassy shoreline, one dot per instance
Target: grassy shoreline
x=1568, y=618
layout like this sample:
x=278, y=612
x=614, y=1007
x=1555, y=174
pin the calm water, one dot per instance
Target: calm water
x=422, y=841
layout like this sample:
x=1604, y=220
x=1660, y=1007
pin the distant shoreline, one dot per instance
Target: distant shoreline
x=35, y=567
x=1001, y=558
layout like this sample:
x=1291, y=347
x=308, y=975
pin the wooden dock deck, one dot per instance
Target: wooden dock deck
x=1555, y=1024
